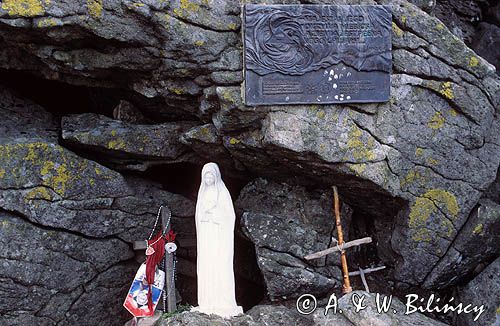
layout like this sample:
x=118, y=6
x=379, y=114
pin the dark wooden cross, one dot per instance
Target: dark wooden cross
x=169, y=286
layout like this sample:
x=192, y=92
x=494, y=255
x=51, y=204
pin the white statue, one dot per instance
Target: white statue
x=215, y=219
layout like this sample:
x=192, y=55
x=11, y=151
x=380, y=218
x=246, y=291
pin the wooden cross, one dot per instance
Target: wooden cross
x=169, y=286
x=341, y=246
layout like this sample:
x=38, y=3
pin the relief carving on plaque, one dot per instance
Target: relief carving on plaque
x=316, y=54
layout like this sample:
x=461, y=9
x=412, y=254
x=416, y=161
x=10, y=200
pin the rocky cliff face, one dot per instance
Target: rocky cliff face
x=418, y=173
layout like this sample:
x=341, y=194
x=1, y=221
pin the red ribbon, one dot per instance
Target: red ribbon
x=170, y=237
x=158, y=244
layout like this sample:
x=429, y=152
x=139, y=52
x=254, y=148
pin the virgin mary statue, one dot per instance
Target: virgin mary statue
x=215, y=246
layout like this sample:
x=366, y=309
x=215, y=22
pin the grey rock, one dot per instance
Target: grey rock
x=207, y=143
x=196, y=318
x=482, y=290
x=126, y=111
x=370, y=315
x=44, y=270
x=123, y=143
x=258, y=315
x=485, y=40
x=66, y=225
x=478, y=241
x=418, y=164
x=287, y=223
x=280, y=315
x=277, y=315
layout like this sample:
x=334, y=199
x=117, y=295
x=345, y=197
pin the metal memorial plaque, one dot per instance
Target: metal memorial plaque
x=305, y=54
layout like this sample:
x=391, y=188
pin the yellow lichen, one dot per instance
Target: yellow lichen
x=453, y=112
x=23, y=8
x=473, y=61
x=178, y=91
x=403, y=19
x=358, y=168
x=234, y=141
x=359, y=150
x=95, y=8
x=186, y=7
x=56, y=176
x=411, y=177
x=117, y=144
x=446, y=90
x=226, y=95
x=321, y=114
x=46, y=22
x=419, y=151
x=478, y=229
x=397, y=31
x=199, y=42
x=47, y=167
x=432, y=161
x=425, y=206
x=113, y=132
x=2, y=173
x=91, y=181
x=436, y=121
x=440, y=26
x=38, y=193
x=97, y=171
x=232, y=26
x=204, y=131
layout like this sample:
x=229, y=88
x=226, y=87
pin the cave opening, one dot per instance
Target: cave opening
x=60, y=99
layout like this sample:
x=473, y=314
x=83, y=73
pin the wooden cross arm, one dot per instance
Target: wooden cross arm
x=367, y=271
x=336, y=248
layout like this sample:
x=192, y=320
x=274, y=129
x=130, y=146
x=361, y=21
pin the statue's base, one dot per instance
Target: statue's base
x=225, y=312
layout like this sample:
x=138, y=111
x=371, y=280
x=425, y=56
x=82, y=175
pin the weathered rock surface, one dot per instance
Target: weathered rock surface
x=418, y=165
x=47, y=273
x=287, y=223
x=258, y=315
x=124, y=144
x=483, y=290
x=282, y=316
x=66, y=224
x=370, y=315
x=486, y=40
x=479, y=240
